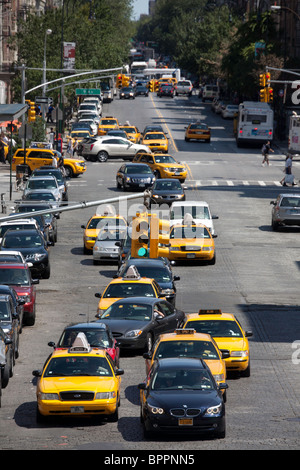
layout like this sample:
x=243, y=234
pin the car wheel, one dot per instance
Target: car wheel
x=114, y=417
x=30, y=318
x=275, y=225
x=46, y=273
x=5, y=376
x=69, y=172
x=186, y=139
x=102, y=156
x=246, y=372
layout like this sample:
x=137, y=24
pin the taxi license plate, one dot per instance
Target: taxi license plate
x=77, y=409
x=190, y=255
x=185, y=422
x=177, y=173
x=141, y=185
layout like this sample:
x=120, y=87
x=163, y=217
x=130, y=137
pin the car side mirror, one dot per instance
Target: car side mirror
x=51, y=344
x=147, y=355
x=98, y=295
x=225, y=353
x=248, y=333
x=142, y=386
x=36, y=373
x=176, y=278
x=223, y=386
x=214, y=235
x=273, y=203
x=119, y=371
x=82, y=226
x=35, y=281
x=214, y=216
x=118, y=244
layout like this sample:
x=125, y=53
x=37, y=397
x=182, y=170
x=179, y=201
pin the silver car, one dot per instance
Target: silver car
x=112, y=147
x=286, y=210
x=48, y=183
x=106, y=247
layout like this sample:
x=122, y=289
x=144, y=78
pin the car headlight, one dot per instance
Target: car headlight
x=128, y=179
x=24, y=298
x=49, y=396
x=239, y=353
x=36, y=256
x=219, y=377
x=155, y=410
x=168, y=291
x=105, y=395
x=100, y=311
x=213, y=410
x=133, y=333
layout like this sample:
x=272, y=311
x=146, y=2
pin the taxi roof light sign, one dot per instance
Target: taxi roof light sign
x=215, y=311
x=80, y=344
x=184, y=331
x=132, y=273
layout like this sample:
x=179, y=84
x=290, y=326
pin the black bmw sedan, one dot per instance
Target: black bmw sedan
x=181, y=395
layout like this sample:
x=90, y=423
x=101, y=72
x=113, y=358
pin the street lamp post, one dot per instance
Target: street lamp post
x=48, y=31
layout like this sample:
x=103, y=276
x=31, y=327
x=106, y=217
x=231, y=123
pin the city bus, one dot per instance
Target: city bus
x=255, y=123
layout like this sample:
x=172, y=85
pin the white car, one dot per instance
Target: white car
x=229, y=111
x=105, y=247
x=17, y=224
x=15, y=256
x=183, y=87
x=199, y=211
x=100, y=149
x=91, y=122
x=94, y=100
x=87, y=107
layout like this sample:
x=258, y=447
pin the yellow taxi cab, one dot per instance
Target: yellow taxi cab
x=163, y=165
x=156, y=141
x=197, y=131
x=79, y=135
x=93, y=226
x=229, y=335
x=37, y=157
x=132, y=132
x=107, y=123
x=191, y=241
x=79, y=381
x=131, y=285
x=186, y=342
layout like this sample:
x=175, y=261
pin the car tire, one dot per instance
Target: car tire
x=30, y=318
x=46, y=273
x=5, y=376
x=69, y=172
x=114, y=417
x=246, y=372
x=275, y=225
x=102, y=156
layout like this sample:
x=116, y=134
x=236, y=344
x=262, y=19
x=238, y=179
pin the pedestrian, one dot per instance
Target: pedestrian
x=2, y=154
x=60, y=165
x=69, y=150
x=288, y=177
x=75, y=146
x=51, y=137
x=266, y=148
x=49, y=113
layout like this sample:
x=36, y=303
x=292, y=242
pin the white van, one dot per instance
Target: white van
x=199, y=210
x=210, y=92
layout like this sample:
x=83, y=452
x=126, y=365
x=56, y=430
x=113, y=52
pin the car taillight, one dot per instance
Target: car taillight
x=91, y=146
x=241, y=131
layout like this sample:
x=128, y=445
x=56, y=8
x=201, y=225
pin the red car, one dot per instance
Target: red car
x=98, y=336
x=18, y=276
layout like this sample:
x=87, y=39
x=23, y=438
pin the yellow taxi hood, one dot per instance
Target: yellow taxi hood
x=233, y=344
x=60, y=384
x=92, y=232
x=105, y=303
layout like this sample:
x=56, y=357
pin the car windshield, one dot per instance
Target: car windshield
x=162, y=185
x=155, y=272
x=33, y=209
x=217, y=328
x=105, y=122
x=111, y=234
x=198, y=126
x=138, y=169
x=129, y=289
x=130, y=130
x=189, y=232
x=78, y=365
x=80, y=134
x=41, y=184
x=96, y=222
x=153, y=136
x=186, y=348
x=179, y=379
x=128, y=312
x=57, y=174
x=290, y=202
x=197, y=212
x=96, y=337
x=40, y=197
x=22, y=241
x=14, y=276
x=4, y=311
x=164, y=159
x=4, y=228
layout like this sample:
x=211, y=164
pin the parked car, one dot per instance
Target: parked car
x=17, y=275
x=34, y=248
x=134, y=176
x=17, y=224
x=57, y=173
x=228, y=111
x=165, y=191
x=18, y=303
x=43, y=195
x=48, y=183
x=6, y=360
x=112, y=147
x=47, y=222
x=9, y=322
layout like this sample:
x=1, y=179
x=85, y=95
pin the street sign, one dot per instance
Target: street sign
x=42, y=100
x=88, y=92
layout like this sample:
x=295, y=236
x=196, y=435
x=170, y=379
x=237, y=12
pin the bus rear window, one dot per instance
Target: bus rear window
x=256, y=119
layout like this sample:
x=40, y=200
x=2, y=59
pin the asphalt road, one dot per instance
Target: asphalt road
x=256, y=277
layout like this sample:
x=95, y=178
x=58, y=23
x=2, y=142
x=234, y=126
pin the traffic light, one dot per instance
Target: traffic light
x=125, y=80
x=270, y=95
x=262, y=80
x=140, y=236
x=119, y=80
x=268, y=79
x=31, y=111
x=262, y=95
x=159, y=242
x=151, y=85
